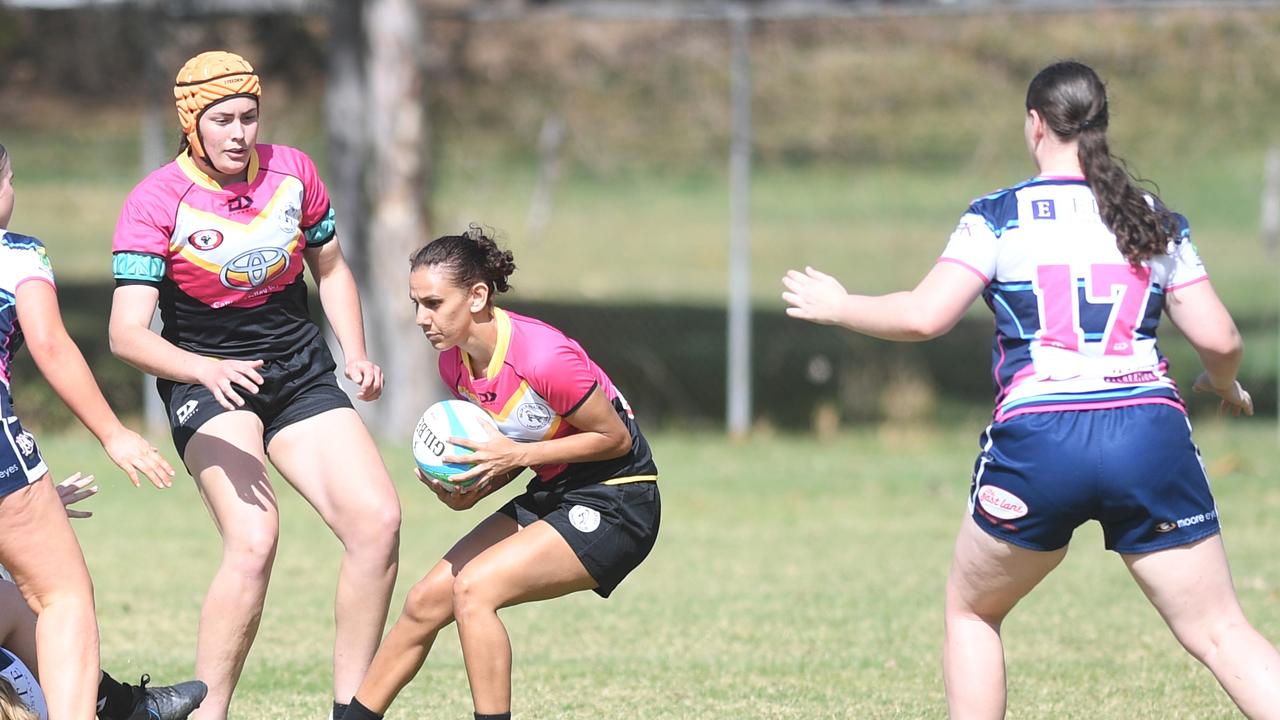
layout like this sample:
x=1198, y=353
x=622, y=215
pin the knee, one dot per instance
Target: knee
x=429, y=603
x=251, y=553
x=471, y=595
x=376, y=530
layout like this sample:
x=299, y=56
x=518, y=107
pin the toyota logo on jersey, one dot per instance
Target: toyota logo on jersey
x=254, y=269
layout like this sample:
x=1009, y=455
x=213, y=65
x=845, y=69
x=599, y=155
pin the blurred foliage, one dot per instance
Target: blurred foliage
x=869, y=137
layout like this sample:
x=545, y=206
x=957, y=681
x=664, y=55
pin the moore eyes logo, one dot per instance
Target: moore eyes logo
x=254, y=269
x=534, y=416
x=205, y=239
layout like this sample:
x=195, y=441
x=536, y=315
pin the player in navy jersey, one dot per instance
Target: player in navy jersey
x=1077, y=265
x=219, y=239
x=589, y=514
x=37, y=544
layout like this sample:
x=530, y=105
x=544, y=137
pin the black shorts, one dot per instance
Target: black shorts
x=611, y=528
x=294, y=387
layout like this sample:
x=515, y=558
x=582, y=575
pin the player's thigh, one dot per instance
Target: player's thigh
x=17, y=624
x=1189, y=585
x=436, y=587
x=226, y=458
x=38, y=546
x=332, y=461
x=536, y=563
x=990, y=575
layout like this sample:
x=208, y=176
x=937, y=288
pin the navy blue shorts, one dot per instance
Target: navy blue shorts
x=1133, y=469
x=20, y=461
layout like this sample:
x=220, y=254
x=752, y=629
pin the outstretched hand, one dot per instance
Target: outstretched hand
x=73, y=490
x=1235, y=399
x=134, y=455
x=813, y=296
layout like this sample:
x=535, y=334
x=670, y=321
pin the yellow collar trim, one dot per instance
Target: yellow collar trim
x=199, y=177
x=503, y=320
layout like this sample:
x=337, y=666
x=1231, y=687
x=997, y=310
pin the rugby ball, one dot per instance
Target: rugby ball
x=445, y=419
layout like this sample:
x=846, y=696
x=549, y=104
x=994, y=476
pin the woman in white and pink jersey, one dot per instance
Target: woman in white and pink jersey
x=1077, y=264
x=589, y=514
x=219, y=240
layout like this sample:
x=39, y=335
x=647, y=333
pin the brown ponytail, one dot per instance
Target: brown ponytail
x=1072, y=101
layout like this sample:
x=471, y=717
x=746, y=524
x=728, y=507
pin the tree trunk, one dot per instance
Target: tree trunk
x=394, y=117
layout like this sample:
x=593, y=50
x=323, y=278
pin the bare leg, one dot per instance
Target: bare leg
x=18, y=626
x=1191, y=588
x=427, y=609
x=535, y=564
x=226, y=459
x=348, y=486
x=988, y=577
x=39, y=548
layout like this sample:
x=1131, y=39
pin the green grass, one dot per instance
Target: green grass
x=794, y=578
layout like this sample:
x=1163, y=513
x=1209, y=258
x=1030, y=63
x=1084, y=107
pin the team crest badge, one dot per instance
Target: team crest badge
x=583, y=518
x=26, y=443
x=205, y=239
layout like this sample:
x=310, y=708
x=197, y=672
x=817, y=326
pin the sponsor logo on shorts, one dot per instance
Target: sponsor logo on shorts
x=8, y=471
x=534, y=416
x=186, y=411
x=205, y=239
x=26, y=443
x=1143, y=376
x=1001, y=503
x=583, y=518
x=1186, y=522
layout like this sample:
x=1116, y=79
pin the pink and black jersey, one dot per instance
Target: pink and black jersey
x=536, y=378
x=22, y=259
x=1075, y=322
x=227, y=260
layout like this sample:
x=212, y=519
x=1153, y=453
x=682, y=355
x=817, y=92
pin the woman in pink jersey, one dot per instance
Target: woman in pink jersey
x=37, y=545
x=589, y=514
x=1077, y=264
x=218, y=239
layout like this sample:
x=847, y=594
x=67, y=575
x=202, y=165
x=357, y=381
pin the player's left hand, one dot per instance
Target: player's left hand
x=134, y=454
x=813, y=296
x=73, y=490
x=492, y=459
x=368, y=376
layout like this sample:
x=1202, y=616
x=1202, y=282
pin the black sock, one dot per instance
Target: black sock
x=115, y=699
x=495, y=716
x=356, y=711
x=339, y=710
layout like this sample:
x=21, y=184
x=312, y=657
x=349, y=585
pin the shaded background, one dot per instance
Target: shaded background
x=598, y=151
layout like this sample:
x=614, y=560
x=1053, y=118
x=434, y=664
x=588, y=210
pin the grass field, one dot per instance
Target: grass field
x=793, y=579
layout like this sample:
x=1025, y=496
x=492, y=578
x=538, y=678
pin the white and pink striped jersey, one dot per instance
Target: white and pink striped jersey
x=1075, y=322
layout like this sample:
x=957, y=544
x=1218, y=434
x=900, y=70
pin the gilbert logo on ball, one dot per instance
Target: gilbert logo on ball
x=445, y=419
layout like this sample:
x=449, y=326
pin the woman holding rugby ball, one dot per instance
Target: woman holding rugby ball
x=1077, y=264
x=588, y=516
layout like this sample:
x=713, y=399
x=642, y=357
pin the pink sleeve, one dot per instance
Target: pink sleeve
x=315, y=197
x=145, y=224
x=564, y=376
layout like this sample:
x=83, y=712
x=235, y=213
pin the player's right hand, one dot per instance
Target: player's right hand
x=1235, y=399
x=222, y=377
x=449, y=495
